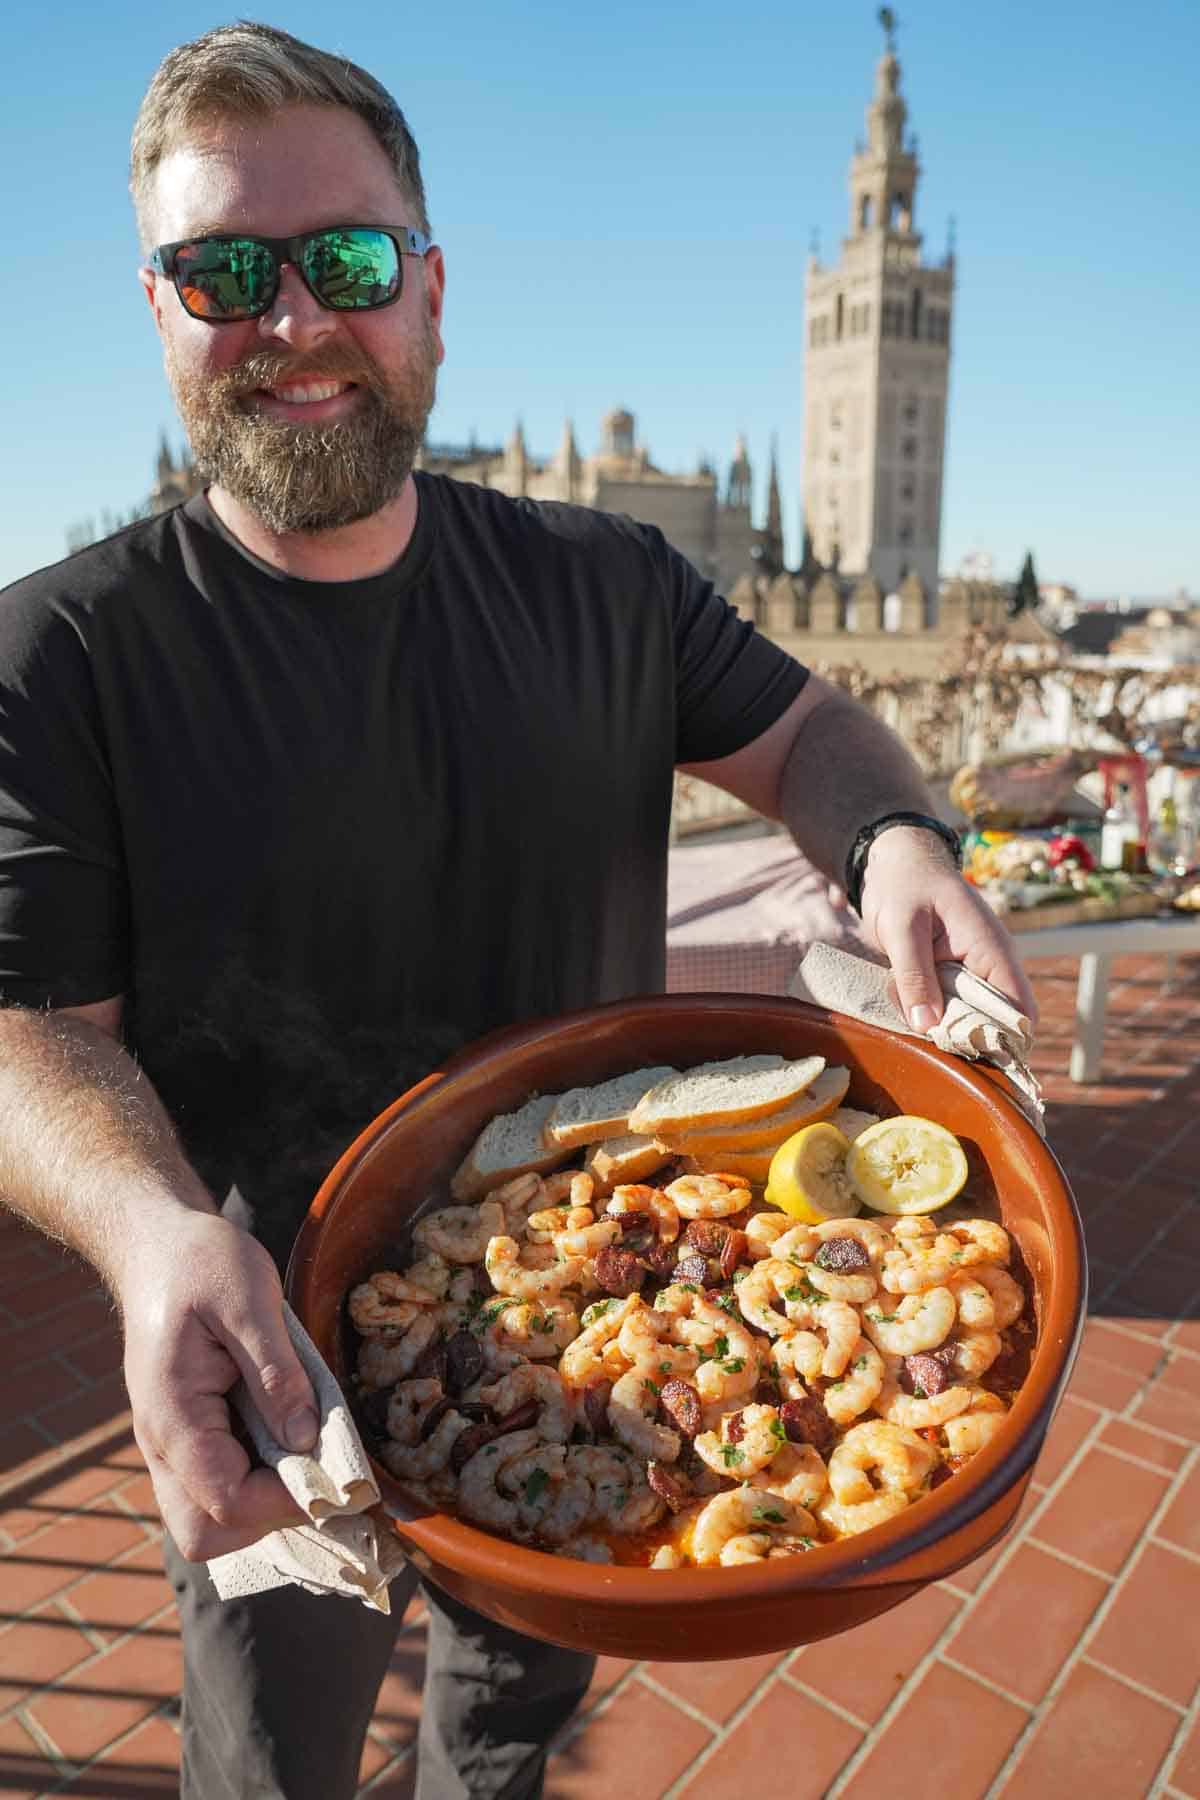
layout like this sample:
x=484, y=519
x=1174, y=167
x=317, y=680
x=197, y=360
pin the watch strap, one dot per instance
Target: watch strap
x=856, y=861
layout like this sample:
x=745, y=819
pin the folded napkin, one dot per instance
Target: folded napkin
x=349, y=1547
x=979, y=1022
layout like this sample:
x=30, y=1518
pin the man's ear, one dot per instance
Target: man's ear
x=149, y=284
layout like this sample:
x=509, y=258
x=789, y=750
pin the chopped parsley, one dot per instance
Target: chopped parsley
x=919, y=1392
x=734, y=1365
x=777, y=1431
x=541, y=1323
x=728, y=1303
x=862, y=1362
x=770, y=1514
x=794, y=1293
x=721, y=1348
x=664, y=1368
x=651, y=1385
x=596, y=1310
x=538, y=1479
x=731, y=1455
x=740, y=1275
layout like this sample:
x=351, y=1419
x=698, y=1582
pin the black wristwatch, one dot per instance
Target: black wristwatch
x=856, y=862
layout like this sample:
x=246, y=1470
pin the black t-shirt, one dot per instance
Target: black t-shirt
x=321, y=834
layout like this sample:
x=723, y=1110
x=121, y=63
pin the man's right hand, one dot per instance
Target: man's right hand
x=202, y=1309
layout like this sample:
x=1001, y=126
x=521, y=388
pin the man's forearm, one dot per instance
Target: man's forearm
x=87, y=1152
x=845, y=769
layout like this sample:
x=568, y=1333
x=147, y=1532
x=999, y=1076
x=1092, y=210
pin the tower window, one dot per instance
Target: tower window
x=915, y=314
x=910, y=411
x=908, y=449
x=905, y=533
x=841, y=317
x=864, y=213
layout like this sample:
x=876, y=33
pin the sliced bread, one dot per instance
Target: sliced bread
x=586, y=1115
x=510, y=1145
x=716, y=1093
x=751, y=1165
x=816, y=1102
x=850, y=1122
x=622, y=1159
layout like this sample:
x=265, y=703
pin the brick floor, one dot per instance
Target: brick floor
x=1066, y=1659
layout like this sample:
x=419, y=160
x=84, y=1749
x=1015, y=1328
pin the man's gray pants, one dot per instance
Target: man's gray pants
x=279, y=1689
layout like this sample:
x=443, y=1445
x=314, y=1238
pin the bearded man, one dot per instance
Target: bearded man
x=309, y=781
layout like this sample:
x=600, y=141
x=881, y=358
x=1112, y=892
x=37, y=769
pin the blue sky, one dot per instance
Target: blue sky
x=625, y=195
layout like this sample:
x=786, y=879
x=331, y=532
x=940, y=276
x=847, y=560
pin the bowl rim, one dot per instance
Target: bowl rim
x=870, y=1558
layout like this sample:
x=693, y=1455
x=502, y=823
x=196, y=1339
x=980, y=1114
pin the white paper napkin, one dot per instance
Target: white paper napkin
x=348, y=1547
x=979, y=1022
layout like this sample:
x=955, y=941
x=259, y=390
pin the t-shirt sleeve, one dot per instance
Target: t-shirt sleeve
x=731, y=682
x=63, y=899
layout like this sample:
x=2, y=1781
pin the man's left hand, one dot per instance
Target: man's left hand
x=919, y=910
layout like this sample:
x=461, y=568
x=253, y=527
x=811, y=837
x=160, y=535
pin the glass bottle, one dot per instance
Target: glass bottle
x=1120, y=836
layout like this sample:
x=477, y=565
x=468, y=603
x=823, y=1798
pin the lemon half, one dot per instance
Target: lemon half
x=906, y=1165
x=807, y=1178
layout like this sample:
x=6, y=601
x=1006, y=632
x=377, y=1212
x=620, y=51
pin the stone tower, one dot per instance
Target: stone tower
x=877, y=367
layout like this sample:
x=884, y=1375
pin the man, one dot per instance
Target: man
x=306, y=783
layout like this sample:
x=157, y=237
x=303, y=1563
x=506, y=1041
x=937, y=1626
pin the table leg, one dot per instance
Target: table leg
x=1091, y=1000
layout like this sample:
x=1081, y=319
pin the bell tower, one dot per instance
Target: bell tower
x=877, y=365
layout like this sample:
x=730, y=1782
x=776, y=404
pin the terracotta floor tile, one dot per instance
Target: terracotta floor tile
x=609, y=1670
x=865, y=1668
x=1161, y=1284
x=25, y=1770
x=144, y=1763
x=94, y=1406
x=96, y=1356
x=1102, y=1511
x=1100, y=1739
x=401, y=1783
x=120, y=1598
x=398, y=1707
x=374, y=1758
x=58, y=1331
x=1151, y=1446
x=148, y=1664
x=821, y=1744
x=1145, y=1324
x=1137, y=1355
x=951, y=1735
x=36, y=1650
x=48, y=1292
x=1164, y=1407
x=19, y=1444
x=1185, y=1776
x=970, y=1578
x=29, y=1263
x=716, y=1689
x=1181, y=1370
x=35, y=1386
x=1181, y=1523
x=650, y=1741
x=1072, y=1423
x=1028, y=1623
x=1103, y=1383
x=1152, y=1633
x=1182, y=1238
x=81, y=1725
x=43, y=1564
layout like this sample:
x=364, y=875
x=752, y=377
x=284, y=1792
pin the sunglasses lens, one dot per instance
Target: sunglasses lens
x=225, y=278
x=354, y=268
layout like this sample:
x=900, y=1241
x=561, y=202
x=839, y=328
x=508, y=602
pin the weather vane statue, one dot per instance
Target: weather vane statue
x=887, y=19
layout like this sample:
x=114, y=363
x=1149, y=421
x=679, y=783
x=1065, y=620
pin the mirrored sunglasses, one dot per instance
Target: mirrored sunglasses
x=347, y=268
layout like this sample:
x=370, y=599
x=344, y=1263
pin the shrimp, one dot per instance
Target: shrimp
x=509, y=1276
x=588, y=1239
x=623, y=1498
x=666, y=1557
x=920, y=1322
x=799, y=1243
x=532, y=1381
x=856, y=1289
x=479, y=1496
x=518, y=1197
x=551, y=1504
x=648, y=1336
x=971, y=1431
x=383, y=1360
x=798, y=1362
x=842, y=1328
x=386, y=1303
x=986, y=1242
x=896, y=1456
x=976, y=1351
x=460, y=1233
x=409, y=1403
x=746, y=1510
x=1008, y=1297
x=593, y=1550
x=542, y=1227
x=927, y=1266
x=733, y=1366
x=873, y=1238
x=574, y=1186
x=419, y=1460
x=525, y=1329
x=708, y=1196
x=859, y=1387
x=634, y=1197
x=759, y=1436
x=431, y=1274
x=976, y=1309
x=847, y=1521
x=580, y=1362
x=762, y=1233
x=631, y=1409
x=797, y=1472
x=769, y=1280
x=455, y=1310
x=918, y=1412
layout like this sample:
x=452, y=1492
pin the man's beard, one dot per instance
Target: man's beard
x=308, y=477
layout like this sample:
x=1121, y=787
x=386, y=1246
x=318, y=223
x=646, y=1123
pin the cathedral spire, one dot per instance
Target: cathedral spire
x=774, y=525
x=741, y=476
x=883, y=171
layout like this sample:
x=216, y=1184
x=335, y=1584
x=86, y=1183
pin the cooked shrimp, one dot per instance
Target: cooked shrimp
x=918, y=1412
x=873, y=1238
x=532, y=1381
x=976, y=1351
x=509, y=1276
x=419, y=1460
x=769, y=1280
x=666, y=1557
x=633, y=1197
x=386, y=1302
x=588, y=1239
x=986, y=1242
x=733, y=1366
x=460, y=1233
x=631, y=1409
x=797, y=1472
x=646, y=1339
x=593, y=1550
x=623, y=1499
x=708, y=1196
x=746, y=1510
x=551, y=1505
x=847, y=1521
x=479, y=1496
x=431, y=1274
x=763, y=1231
x=580, y=1362
x=527, y=1329
x=971, y=1431
x=409, y=1403
x=382, y=1360
x=859, y=1388
x=920, y=1322
x=1008, y=1297
x=543, y=1227
x=840, y=1323
x=797, y=1362
x=760, y=1435
x=799, y=1243
x=855, y=1289
x=976, y=1309
x=927, y=1266
x=897, y=1457
x=570, y=1185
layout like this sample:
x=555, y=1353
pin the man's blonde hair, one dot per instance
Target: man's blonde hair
x=249, y=71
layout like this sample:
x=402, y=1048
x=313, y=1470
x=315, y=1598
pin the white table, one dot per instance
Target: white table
x=1095, y=946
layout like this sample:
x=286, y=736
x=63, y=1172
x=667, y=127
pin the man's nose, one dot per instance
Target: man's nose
x=294, y=316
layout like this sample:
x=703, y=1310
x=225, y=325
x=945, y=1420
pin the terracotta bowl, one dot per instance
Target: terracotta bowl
x=408, y=1153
